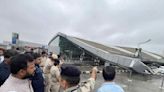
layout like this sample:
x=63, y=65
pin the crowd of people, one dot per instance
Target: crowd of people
x=40, y=72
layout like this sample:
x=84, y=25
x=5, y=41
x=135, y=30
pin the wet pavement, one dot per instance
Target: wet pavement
x=134, y=83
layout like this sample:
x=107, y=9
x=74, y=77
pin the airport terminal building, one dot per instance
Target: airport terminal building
x=80, y=50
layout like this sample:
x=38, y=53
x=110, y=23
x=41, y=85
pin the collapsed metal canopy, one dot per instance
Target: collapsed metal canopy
x=118, y=59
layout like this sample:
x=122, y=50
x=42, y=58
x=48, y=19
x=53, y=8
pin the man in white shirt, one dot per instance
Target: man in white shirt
x=22, y=67
x=43, y=59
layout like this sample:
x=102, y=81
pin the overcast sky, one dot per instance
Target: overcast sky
x=116, y=22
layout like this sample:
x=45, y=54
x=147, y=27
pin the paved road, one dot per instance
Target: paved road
x=135, y=83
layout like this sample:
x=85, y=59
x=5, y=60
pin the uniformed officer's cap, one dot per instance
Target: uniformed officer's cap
x=54, y=56
x=70, y=71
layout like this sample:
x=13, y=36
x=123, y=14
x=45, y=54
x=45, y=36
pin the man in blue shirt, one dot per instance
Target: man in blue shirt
x=109, y=85
x=37, y=79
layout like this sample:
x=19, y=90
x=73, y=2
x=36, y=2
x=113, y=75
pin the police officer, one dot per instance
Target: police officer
x=70, y=78
x=55, y=76
x=46, y=69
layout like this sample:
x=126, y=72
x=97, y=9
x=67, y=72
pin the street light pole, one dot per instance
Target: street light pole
x=138, y=49
x=143, y=42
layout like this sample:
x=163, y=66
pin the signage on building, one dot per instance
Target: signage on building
x=15, y=38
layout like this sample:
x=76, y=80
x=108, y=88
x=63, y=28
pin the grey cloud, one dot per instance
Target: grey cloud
x=118, y=22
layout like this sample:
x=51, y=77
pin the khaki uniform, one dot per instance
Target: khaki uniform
x=46, y=71
x=88, y=86
x=43, y=60
x=55, y=73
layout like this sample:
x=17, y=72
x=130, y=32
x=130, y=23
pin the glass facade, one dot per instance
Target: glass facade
x=72, y=51
x=55, y=42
